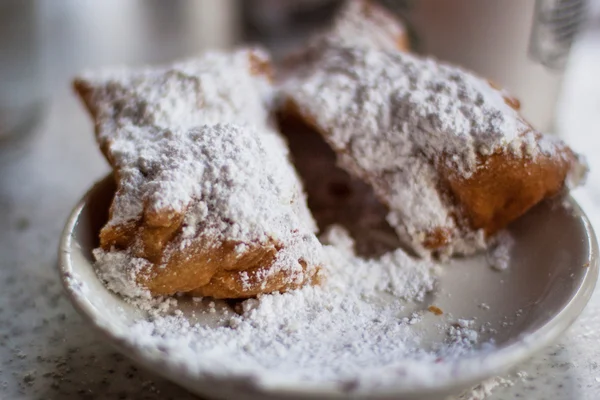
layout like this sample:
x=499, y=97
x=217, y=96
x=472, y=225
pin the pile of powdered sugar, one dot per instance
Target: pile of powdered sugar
x=498, y=255
x=345, y=332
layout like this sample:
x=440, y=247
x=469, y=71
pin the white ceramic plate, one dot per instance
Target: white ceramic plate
x=553, y=270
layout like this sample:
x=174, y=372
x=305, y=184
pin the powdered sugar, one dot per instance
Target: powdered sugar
x=119, y=270
x=139, y=111
x=344, y=332
x=499, y=254
x=485, y=389
x=394, y=272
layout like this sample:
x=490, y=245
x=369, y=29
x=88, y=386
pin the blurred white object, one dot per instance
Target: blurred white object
x=20, y=82
x=522, y=45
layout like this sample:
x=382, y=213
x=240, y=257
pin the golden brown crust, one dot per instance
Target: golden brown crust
x=199, y=264
x=437, y=238
x=248, y=283
x=260, y=66
x=189, y=269
x=504, y=187
x=403, y=42
x=214, y=269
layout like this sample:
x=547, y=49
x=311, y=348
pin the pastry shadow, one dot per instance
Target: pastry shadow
x=333, y=196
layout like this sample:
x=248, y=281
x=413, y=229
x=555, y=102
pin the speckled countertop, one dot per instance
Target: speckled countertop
x=46, y=350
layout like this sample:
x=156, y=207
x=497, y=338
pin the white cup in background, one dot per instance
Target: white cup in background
x=521, y=45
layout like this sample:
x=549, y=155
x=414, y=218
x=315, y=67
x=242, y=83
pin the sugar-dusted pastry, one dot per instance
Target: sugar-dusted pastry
x=361, y=23
x=446, y=151
x=365, y=23
x=206, y=198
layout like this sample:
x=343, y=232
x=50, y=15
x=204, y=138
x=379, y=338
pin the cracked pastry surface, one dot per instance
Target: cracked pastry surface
x=206, y=198
x=443, y=149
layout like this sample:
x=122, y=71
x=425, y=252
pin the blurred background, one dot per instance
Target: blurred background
x=546, y=52
x=522, y=45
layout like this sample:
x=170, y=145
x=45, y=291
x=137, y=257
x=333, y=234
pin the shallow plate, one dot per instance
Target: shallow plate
x=552, y=273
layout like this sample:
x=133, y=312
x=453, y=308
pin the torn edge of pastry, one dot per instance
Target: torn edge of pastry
x=446, y=152
x=206, y=198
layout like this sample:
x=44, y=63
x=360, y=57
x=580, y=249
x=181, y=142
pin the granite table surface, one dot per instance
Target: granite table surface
x=46, y=349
